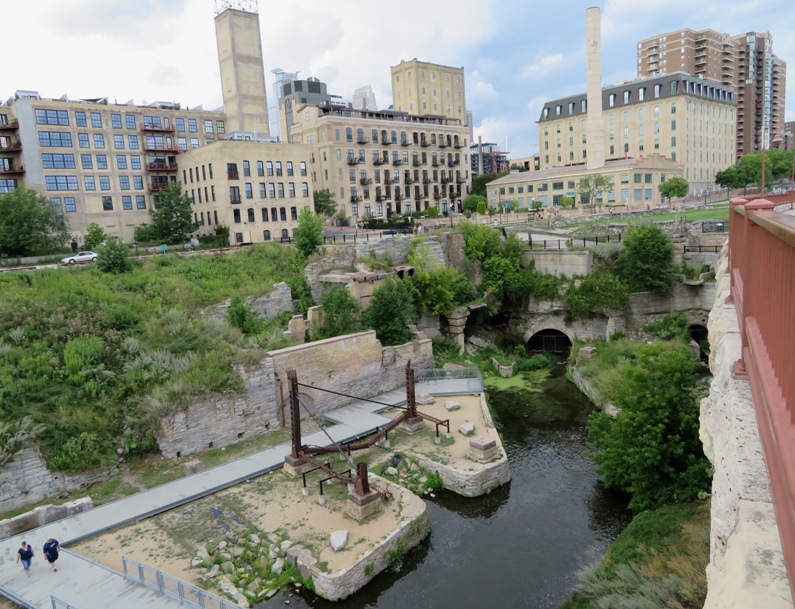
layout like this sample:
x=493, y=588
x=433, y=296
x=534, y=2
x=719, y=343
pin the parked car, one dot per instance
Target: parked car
x=80, y=258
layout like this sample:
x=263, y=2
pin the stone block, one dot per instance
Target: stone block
x=50, y=513
x=360, y=508
x=302, y=559
x=424, y=399
x=586, y=352
x=192, y=467
x=482, y=449
x=467, y=428
x=414, y=425
x=451, y=405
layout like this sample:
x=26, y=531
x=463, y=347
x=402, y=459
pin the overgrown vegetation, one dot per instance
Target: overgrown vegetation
x=658, y=561
x=97, y=359
x=30, y=224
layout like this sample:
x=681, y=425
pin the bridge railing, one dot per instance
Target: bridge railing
x=473, y=377
x=57, y=603
x=762, y=267
x=185, y=593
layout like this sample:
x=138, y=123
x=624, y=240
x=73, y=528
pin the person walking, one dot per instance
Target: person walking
x=25, y=554
x=51, y=548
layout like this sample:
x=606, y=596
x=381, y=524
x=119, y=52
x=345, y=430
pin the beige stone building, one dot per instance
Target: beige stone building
x=687, y=119
x=98, y=162
x=419, y=87
x=257, y=189
x=635, y=184
x=386, y=162
x=745, y=62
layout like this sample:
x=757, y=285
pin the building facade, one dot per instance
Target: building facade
x=687, y=119
x=387, y=162
x=257, y=189
x=488, y=158
x=277, y=92
x=98, y=162
x=364, y=99
x=635, y=184
x=421, y=88
x=745, y=62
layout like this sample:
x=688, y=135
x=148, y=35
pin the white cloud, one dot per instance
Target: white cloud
x=541, y=67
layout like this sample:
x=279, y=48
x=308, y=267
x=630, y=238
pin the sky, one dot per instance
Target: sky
x=516, y=54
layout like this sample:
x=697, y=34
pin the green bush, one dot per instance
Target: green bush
x=342, y=313
x=673, y=325
x=391, y=311
x=647, y=261
x=594, y=294
x=114, y=257
x=82, y=452
x=243, y=317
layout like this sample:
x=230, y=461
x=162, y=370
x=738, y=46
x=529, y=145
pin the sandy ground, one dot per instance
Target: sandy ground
x=274, y=503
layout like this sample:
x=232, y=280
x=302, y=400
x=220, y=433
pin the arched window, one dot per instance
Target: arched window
x=266, y=235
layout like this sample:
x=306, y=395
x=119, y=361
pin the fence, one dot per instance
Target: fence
x=761, y=263
x=185, y=593
x=714, y=227
x=59, y=604
x=703, y=249
x=363, y=236
x=4, y=593
x=473, y=377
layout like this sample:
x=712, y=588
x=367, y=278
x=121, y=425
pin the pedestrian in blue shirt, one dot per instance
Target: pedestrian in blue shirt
x=25, y=554
x=51, y=548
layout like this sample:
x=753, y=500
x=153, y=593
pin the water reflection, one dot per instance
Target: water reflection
x=520, y=546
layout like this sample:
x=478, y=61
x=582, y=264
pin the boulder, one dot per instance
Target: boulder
x=278, y=566
x=451, y=405
x=338, y=540
x=424, y=398
x=467, y=428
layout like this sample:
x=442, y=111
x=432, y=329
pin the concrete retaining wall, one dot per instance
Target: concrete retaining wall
x=44, y=514
x=559, y=262
x=355, y=364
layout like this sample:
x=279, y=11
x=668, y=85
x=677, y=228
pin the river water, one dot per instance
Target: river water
x=520, y=546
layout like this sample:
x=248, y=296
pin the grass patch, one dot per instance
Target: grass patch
x=658, y=561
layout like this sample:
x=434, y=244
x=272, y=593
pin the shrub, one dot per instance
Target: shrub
x=593, y=294
x=243, y=317
x=342, y=313
x=114, y=257
x=82, y=452
x=647, y=261
x=391, y=310
x=673, y=325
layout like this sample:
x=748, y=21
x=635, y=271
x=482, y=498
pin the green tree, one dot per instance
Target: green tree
x=172, y=215
x=325, y=205
x=538, y=204
x=479, y=182
x=482, y=206
x=480, y=242
x=29, y=224
x=114, y=257
x=439, y=290
x=309, y=232
x=342, y=313
x=673, y=187
x=391, y=311
x=471, y=203
x=433, y=211
x=94, y=236
x=592, y=186
x=651, y=448
x=646, y=263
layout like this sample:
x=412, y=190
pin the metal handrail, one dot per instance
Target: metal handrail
x=59, y=604
x=185, y=593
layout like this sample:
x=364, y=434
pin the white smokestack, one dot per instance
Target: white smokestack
x=595, y=132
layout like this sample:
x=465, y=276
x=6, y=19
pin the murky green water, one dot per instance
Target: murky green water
x=522, y=545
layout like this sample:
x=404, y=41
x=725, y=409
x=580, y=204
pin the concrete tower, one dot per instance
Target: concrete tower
x=595, y=143
x=242, y=71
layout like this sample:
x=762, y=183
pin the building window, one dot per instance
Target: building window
x=52, y=117
x=96, y=120
x=129, y=119
x=269, y=166
x=304, y=189
x=86, y=161
x=289, y=168
x=55, y=139
x=272, y=190
x=208, y=126
x=104, y=182
x=118, y=142
x=57, y=161
x=262, y=190
x=135, y=161
x=124, y=182
x=282, y=214
x=236, y=216
x=251, y=217
x=280, y=190
x=88, y=182
x=121, y=161
x=126, y=202
x=82, y=140
x=140, y=202
x=260, y=168
x=303, y=168
x=278, y=168
x=115, y=121
x=249, y=191
x=132, y=142
x=80, y=119
x=627, y=96
x=107, y=203
x=180, y=124
x=194, y=142
x=246, y=168
x=192, y=126
x=102, y=161
x=291, y=190
x=611, y=100
x=60, y=182
x=138, y=182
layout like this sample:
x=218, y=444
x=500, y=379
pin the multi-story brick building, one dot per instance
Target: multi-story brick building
x=745, y=62
x=257, y=189
x=488, y=158
x=386, y=162
x=687, y=119
x=419, y=87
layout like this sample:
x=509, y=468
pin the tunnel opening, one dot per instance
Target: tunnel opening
x=549, y=341
x=700, y=334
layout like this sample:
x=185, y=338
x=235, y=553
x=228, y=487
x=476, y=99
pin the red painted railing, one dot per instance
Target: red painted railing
x=762, y=265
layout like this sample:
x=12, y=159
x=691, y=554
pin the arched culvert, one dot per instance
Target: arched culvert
x=700, y=334
x=550, y=341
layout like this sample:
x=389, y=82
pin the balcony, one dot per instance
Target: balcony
x=161, y=166
x=399, y=197
x=156, y=147
x=427, y=181
x=386, y=141
x=437, y=164
x=355, y=199
x=352, y=160
x=9, y=126
x=232, y=175
x=405, y=142
x=417, y=163
x=11, y=170
x=460, y=180
x=378, y=161
x=459, y=145
x=447, y=180
x=362, y=140
x=155, y=128
x=388, y=181
x=453, y=163
x=156, y=187
x=381, y=198
x=365, y=181
x=408, y=180
x=13, y=146
x=397, y=162
x=235, y=199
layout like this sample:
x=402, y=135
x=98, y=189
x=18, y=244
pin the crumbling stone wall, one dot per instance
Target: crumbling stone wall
x=223, y=419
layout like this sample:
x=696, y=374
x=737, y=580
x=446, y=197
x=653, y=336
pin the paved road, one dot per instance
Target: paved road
x=87, y=585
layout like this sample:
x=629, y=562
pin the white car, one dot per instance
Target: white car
x=80, y=258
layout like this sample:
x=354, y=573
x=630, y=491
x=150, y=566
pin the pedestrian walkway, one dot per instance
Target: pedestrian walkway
x=84, y=584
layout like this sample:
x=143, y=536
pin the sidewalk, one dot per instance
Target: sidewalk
x=87, y=585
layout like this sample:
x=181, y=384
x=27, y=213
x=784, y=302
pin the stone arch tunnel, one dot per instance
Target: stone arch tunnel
x=549, y=340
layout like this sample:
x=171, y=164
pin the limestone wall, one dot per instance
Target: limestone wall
x=44, y=514
x=395, y=249
x=25, y=480
x=269, y=305
x=559, y=262
x=746, y=566
x=355, y=364
x=223, y=419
